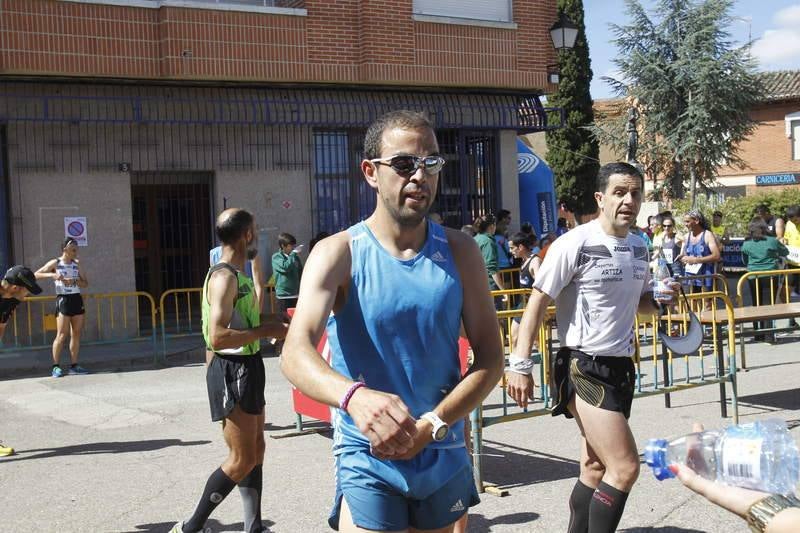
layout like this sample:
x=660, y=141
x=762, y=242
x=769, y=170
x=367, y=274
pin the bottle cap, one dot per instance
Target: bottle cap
x=655, y=455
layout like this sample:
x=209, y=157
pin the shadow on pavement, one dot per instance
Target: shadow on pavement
x=511, y=466
x=480, y=524
x=102, y=447
x=665, y=529
x=164, y=527
x=788, y=400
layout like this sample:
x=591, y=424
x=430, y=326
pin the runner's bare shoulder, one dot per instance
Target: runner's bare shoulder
x=331, y=256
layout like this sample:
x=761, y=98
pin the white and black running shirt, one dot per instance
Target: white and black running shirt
x=596, y=281
x=70, y=272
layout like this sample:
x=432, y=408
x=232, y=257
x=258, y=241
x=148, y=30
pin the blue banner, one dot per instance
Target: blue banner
x=537, y=196
x=732, y=254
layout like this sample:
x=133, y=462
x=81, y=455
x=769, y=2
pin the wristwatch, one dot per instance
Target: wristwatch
x=764, y=510
x=440, y=427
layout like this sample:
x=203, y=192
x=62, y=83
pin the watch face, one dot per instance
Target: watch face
x=441, y=433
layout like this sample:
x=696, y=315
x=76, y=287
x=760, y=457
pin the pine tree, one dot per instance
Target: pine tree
x=693, y=88
x=572, y=151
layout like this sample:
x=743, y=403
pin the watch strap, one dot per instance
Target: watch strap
x=761, y=512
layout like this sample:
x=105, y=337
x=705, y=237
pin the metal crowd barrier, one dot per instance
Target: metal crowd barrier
x=779, y=285
x=510, y=277
x=110, y=318
x=659, y=372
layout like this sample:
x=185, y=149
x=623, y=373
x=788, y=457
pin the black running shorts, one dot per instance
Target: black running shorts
x=235, y=380
x=69, y=304
x=604, y=382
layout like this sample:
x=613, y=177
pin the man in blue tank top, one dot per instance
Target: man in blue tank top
x=392, y=292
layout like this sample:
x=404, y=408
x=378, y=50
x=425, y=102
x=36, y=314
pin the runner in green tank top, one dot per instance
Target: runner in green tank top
x=232, y=329
x=245, y=310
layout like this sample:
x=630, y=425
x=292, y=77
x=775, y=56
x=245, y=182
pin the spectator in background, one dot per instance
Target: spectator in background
x=287, y=269
x=721, y=233
x=636, y=230
x=561, y=227
x=762, y=252
x=670, y=246
x=469, y=230
x=773, y=224
x=655, y=230
x=485, y=227
x=791, y=238
x=501, y=239
x=699, y=253
x=527, y=227
x=719, y=230
x=523, y=247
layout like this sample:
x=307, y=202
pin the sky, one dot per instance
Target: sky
x=773, y=24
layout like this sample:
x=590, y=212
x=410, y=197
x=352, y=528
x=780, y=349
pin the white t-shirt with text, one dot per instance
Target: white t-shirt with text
x=596, y=281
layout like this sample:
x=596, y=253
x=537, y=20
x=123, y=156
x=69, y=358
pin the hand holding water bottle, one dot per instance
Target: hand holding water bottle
x=663, y=285
x=761, y=456
x=746, y=503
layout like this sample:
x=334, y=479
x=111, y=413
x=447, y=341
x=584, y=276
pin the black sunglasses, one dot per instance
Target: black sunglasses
x=407, y=165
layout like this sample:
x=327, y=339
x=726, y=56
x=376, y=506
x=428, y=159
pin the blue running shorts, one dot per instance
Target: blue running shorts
x=430, y=491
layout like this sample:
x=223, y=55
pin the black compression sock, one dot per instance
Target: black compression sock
x=606, y=508
x=218, y=486
x=579, y=502
x=250, y=490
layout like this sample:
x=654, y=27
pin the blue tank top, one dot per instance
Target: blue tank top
x=700, y=249
x=398, y=329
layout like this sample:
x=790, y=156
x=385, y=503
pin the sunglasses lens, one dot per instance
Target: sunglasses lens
x=404, y=164
x=433, y=164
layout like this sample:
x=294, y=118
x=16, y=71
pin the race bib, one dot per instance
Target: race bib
x=794, y=255
x=668, y=255
x=693, y=268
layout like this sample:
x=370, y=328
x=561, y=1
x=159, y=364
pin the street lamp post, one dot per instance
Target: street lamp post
x=563, y=33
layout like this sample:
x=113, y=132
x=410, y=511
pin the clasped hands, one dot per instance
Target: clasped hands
x=385, y=420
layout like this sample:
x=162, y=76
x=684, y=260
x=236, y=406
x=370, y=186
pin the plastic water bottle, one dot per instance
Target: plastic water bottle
x=761, y=456
x=662, y=278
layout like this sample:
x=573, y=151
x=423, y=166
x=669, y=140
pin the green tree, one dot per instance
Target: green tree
x=693, y=88
x=572, y=151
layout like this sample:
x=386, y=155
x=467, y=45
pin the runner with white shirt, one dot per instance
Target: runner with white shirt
x=69, y=279
x=598, y=276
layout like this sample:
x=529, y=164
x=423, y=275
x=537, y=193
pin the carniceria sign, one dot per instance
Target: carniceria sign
x=777, y=179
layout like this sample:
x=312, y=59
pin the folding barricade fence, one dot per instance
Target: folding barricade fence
x=110, y=318
x=658, y=372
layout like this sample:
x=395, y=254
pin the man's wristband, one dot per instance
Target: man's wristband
x=761, y=512
x=520, y=365
x=348, y=395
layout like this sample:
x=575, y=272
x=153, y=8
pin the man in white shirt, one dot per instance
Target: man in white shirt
x=598, y=276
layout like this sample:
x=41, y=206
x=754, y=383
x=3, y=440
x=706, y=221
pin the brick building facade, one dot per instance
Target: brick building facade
x=147, y=117
x=772, y=153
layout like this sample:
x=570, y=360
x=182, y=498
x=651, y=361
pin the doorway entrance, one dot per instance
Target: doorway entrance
x=172, y=229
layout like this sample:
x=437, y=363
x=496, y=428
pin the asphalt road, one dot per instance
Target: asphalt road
x=130, y=452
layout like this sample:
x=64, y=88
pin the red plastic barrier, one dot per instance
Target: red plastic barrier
x=303, y=405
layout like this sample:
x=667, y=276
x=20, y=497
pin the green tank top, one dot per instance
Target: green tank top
x=245, y=311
